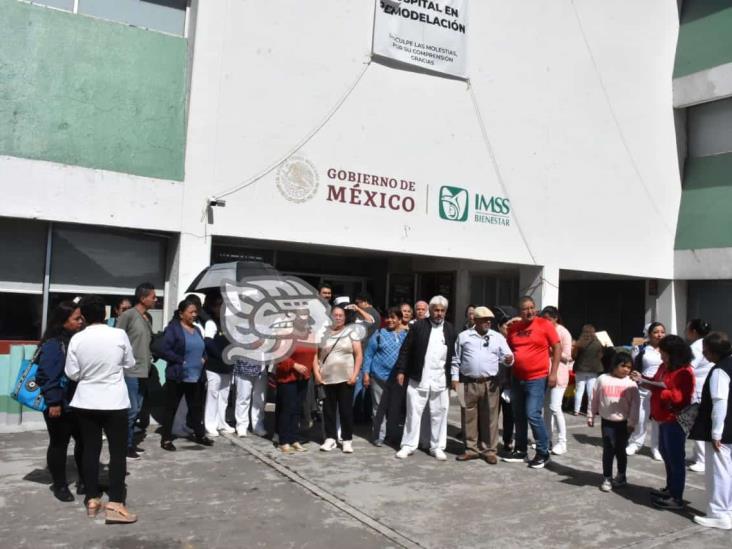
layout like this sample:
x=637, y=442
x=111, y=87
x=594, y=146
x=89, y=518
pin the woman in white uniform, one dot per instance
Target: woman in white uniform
x=646, y=360
x=713, y=425
x=696, y=330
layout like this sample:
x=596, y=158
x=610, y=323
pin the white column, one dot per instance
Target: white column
x=540, y=283
x=194, y=255
x=462, y=296
x=669, y=306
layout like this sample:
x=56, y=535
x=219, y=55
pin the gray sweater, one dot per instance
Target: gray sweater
x=139, y=331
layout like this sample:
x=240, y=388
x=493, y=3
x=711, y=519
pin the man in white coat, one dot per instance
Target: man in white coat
x=424, y=364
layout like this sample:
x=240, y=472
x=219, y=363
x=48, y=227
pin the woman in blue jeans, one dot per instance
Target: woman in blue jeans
x=671, y=388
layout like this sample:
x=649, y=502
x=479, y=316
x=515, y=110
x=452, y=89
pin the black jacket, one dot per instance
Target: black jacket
x=411, y=355
x=702, y=428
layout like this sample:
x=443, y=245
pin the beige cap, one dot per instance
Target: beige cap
x=483, y=312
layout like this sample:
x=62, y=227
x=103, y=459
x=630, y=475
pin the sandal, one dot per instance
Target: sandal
x=167, y=445
x=117, y=513
x=93, y=505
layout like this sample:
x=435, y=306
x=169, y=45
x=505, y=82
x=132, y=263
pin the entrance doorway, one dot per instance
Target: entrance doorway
x=349, y=286
x=440, y=283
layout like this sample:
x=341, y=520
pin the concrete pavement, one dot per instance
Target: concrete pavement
x=244, y=493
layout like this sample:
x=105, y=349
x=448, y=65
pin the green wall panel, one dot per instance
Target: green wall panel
x=86, y=92
x=704, y=216
x=705, y=36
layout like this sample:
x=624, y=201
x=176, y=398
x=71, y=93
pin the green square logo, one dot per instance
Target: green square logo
x=453, y=203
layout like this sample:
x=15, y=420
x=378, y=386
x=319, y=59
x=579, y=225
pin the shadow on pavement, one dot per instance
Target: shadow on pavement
x=639, y=495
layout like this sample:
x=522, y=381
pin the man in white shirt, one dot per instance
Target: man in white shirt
x=479, y=352
x=425, y=360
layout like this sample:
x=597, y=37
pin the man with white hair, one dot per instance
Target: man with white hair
x=425, y=362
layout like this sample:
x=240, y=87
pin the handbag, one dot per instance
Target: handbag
x=245, y=368
x=26, y=391
x=687, y=417
x=320, y=389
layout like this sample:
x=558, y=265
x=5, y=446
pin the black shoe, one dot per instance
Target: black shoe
x=539, y=461
x=131, y=454
x=669, y=503
x=63, y=493
x=167, y=445
x=515, y=457
x=139, y=450
x=203, y=440
x=80, y=488
x=661, y=493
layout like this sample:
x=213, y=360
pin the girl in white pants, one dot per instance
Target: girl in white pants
x=553, y=414
x=583, y=381
x=218, y=373
x=217, y=399
x=696, y=329
x=251, y=389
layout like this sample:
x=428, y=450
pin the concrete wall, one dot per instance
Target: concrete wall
x=85, y=92
x=575, y=99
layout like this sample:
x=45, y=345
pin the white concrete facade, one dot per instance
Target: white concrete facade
x=574, y=97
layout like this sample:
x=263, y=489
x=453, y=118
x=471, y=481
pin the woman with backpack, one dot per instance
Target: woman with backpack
x=57, y=391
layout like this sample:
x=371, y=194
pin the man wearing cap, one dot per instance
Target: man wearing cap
x=479, y=352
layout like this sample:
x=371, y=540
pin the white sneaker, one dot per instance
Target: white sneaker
x=559, y=449
x=328, y=445
x=404, y=452
x=242, y=432
x=723, y=523
x=631, y=449
x=260, y=431
x=697, y=467
x=347, y=447
x=606, y=485
x=656, y=454
x=212, y=434
x=228, y=430
x=438, y=454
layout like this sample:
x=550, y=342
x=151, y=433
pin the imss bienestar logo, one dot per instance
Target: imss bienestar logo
x=454, y=203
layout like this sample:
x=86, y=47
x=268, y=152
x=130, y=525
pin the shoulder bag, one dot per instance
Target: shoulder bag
x=25, y=390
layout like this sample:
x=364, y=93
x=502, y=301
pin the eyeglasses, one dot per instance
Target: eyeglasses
x=486, y=340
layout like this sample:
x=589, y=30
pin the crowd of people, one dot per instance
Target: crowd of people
x=93, y=375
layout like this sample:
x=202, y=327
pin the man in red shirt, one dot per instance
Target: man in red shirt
x=537, y=351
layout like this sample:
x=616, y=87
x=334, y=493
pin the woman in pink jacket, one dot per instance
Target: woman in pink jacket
x=553, y=414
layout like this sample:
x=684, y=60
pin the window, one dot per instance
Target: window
x=710, y=128
x=167, y=16
x=105, y=261
x=160, y=15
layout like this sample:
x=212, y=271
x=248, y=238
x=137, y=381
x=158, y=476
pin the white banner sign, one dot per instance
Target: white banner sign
x=430, y=35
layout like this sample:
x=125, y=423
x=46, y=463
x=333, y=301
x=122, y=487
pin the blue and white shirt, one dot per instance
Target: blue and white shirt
x=478, y=355
x=382, y=353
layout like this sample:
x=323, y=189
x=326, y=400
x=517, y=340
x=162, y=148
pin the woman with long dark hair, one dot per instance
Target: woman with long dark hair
x=672, y=388
x=65, y=320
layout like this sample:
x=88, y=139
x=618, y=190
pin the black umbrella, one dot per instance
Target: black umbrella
x=210, y=278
